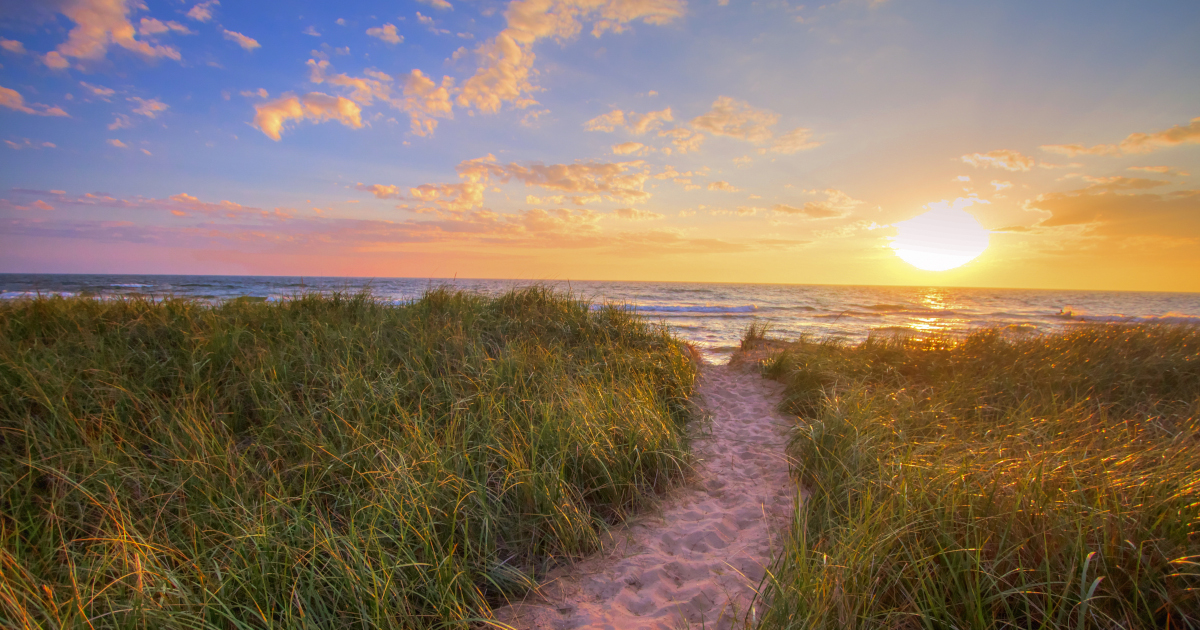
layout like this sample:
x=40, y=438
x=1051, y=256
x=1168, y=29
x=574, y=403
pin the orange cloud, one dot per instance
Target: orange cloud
x=149, y=108
x=1105, y=212
x=684, y=139
x=507, y=60
x=581, y=183
x=248, y=43
x=794, y=141
x=151, y=26
x=836, y=205
x=633, y=214
x=1006, y=159
x=626, y=148
x=202, y=12
x=12, y=99
x=635, y=123
x=422, y=99
x=271, y=117
x=99, y=23
x=737, y=119
x=1135, y=143
x=387, y=33
x=723, y=186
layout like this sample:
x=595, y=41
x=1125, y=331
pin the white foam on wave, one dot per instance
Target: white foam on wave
x=1171, y=317
x=746, y=308
x=16, y=295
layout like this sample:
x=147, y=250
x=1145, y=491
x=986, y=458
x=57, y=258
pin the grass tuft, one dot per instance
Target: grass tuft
x=995, y=482
x=326, y=462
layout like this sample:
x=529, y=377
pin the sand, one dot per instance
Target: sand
x=700, y=560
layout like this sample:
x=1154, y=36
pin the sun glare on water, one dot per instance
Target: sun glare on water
x=943, y=238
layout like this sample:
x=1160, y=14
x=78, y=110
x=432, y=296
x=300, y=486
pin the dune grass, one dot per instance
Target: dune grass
x=994, y=482
x=326, y=462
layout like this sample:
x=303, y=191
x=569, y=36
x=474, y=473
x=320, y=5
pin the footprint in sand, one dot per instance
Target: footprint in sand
x=702, y=563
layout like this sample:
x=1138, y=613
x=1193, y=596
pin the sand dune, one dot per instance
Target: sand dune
x=701, y=560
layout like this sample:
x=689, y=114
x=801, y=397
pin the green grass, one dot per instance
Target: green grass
x=326, y=462
x=994, y=482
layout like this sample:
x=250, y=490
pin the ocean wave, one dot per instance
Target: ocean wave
x=1169, y=318
x=16, y=295
x=132, y=285
x=746, y=308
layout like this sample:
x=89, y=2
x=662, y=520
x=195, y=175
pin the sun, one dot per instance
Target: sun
x=943, y=238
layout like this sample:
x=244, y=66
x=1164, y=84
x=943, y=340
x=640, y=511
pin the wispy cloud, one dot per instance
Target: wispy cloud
x=12, y=99
x=1135, y=143
x=248, y=43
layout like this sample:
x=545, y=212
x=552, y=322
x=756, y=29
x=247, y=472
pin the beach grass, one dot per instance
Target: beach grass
x=325, y=462
x=993, y=481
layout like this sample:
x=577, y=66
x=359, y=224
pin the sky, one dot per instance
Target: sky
x=1048, y=144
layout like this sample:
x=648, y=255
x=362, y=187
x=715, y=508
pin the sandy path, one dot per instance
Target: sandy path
x=699, y=562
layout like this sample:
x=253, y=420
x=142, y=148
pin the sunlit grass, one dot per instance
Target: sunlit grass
x=994, y=482
x=327, y=462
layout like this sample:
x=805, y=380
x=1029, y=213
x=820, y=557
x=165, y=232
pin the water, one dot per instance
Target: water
x=711, y=315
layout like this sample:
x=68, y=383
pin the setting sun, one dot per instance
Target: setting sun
x=943, y=238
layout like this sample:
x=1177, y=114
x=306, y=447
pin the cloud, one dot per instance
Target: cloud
x=1160, y=169
x=248, y=43
x=431, y=25
x=151, y=26
x=202, y=12
x=606, y=122
x=635, y=123
x=242, y=228
x=99, y=23
x=117, y=143
x=419, y=96
x=1147, y=142
x=1135, y=143
x=1117, y=182
x=685, y=140
x=581, y=183
x=1105, y=212
x=425, y=100
x=507, y=60
x=271, y=117
x=149, y=108
x=441, y=5
x=1006, y=159
x=723, y=186
x=626, y=148
x=1001, y=185
x=836, y=205
x=311, y=30
x=120, y=122
x=737, y=119
x=380, y=191
x=12, y=99
x=740, y=211
x=260, y=93
x=794, y=141
x=26, y=143
x=98, y=91
x=633, y=214
x=12, y=46
x=387, y=33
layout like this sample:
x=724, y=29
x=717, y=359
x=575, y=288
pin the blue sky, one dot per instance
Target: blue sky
x=604, y=139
